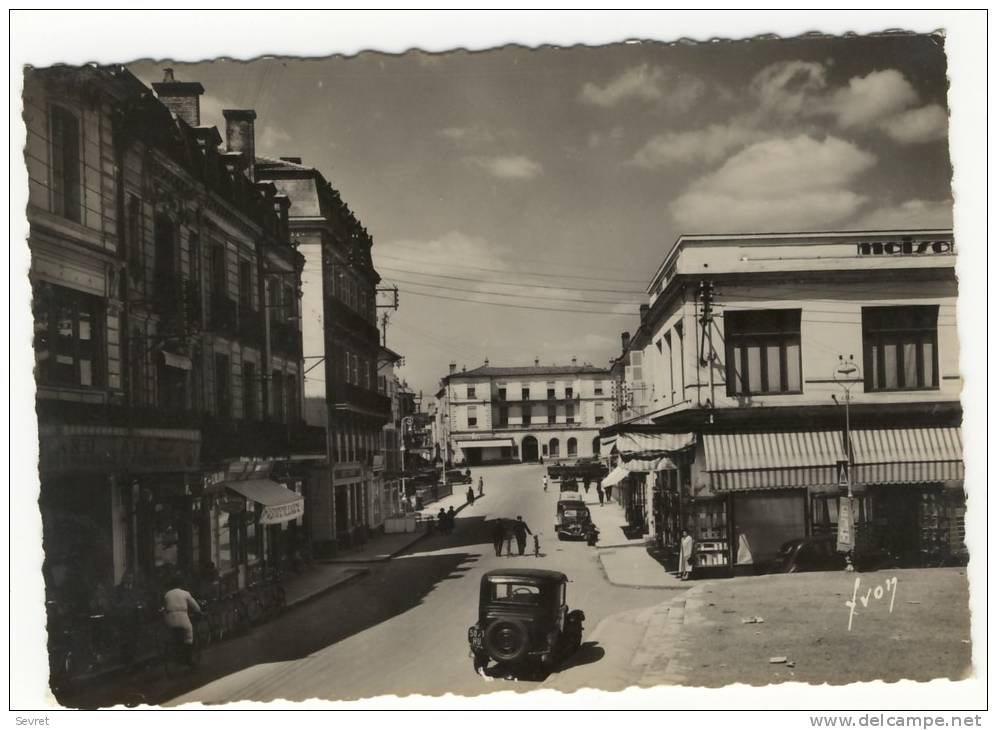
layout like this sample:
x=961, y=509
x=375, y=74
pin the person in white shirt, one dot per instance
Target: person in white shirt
x=177, y=606
x=545, y=482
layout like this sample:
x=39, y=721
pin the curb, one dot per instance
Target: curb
x=356, y=574
x=637, y=586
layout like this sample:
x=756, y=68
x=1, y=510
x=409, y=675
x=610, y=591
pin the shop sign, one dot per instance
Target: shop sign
x=280, y=513
x=846, y=526
x=905, y=247
x=83, y=452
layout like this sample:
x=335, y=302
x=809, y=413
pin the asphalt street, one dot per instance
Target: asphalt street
x=402, y=629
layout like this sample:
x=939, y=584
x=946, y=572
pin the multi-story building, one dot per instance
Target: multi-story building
x=781, y=367
x=544, y=412
x=341, y=343
x=389, y=462
x=165, y=399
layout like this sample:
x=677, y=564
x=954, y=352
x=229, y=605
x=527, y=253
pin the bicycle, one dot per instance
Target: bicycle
x=178, y=655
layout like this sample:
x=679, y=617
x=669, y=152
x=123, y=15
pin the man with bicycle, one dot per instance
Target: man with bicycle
x=177, y=607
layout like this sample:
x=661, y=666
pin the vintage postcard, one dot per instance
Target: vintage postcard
x=573, y=367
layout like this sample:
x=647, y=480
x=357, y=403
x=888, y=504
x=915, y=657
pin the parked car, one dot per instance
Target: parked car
x=555, y=471
x=572, y=519
x=807, y=554
x=569, y=484
x=456, y=476
x=524, y=620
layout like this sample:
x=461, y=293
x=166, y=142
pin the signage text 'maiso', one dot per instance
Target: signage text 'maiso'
x=904, y=247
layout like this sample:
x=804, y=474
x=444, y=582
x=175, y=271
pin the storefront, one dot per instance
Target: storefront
x=487, y=451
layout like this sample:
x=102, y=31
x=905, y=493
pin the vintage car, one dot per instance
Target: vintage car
x=572, y=519
x=569, y=484
x=524, y=620
x=456, y=476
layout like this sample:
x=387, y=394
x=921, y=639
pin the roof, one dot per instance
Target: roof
x=507, y=372
x=529, y=574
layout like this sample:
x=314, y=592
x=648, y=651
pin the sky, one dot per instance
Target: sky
x=521, y=199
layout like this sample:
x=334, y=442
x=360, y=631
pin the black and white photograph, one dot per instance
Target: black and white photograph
x=506, y=370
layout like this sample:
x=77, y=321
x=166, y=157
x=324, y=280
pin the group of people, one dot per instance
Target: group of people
x=445, y=520
x=503, y=531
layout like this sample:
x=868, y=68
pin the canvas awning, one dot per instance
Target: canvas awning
x=280, y=504
x=637, y=466
x=907, y=455
x=614, y=477
x=485, y=444
x=650, y=444
x=752, y=461
x=606, y=444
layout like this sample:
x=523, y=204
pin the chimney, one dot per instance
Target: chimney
x=183, y=98
x=574, y=361
x=536, y=362
x=643, y=312
x=240, y=136
x=625, y=339
x=453, y=368
x=486, y=362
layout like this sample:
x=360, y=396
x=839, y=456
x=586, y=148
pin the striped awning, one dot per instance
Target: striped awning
x=485, y=444
x=614, y=477
x=648, y=465
x=907, y=455
x=606, y=444
x=751, y=461
x=652, y=444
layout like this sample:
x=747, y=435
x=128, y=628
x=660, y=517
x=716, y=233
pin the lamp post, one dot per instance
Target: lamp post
x=846, y=373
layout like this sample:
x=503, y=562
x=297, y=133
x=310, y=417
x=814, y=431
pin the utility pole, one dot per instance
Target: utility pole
x=706, y=332
x=384, y=329
x=846, y=372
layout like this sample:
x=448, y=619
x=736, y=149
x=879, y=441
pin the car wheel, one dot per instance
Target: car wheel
x=507, y=640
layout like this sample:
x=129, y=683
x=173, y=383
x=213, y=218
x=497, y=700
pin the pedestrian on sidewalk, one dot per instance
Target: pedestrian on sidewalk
x=441, y=521
x=470, y=496
x=602, y=496
x=545, y=482
x=481, y=486
x=521, y=529
x=685, y=555
x=586, y=483
x=609, y=493
x=498, y=536
x=451, y=519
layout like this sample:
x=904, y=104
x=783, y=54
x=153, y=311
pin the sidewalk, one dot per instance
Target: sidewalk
x=625, y=560
x=384, y=547
x=318, y=580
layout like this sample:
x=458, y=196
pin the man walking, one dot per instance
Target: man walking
x=521, y=529
x=498, y=536
x=545, y=482
x=481, y=486
x=598, y=490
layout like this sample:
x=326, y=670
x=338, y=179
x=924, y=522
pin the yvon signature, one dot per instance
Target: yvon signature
x=878, y=593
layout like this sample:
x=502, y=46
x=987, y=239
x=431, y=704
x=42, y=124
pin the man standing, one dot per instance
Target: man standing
x=598, y=490
x=481, y=486
x=521, y=529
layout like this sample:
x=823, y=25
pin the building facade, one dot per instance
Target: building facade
x=522, y=414
x=342, y=343
x=779, y=368
x=168, y=408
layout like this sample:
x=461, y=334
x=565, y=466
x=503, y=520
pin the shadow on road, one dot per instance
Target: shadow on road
x=391, y=589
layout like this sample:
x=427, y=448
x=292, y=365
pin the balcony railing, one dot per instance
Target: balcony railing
x=341, y=314
x=348, y=395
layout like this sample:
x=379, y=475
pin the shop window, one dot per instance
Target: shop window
x=572, y=447
x=472, y=416
x=763, y=352
x=67, y=334
x=900, y=346
x=66, y=199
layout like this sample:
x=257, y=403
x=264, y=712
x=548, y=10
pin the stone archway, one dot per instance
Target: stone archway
x=529, y=450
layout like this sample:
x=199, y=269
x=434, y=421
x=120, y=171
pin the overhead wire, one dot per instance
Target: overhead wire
x=517, y=306
x=506, y=294
x=559, y=274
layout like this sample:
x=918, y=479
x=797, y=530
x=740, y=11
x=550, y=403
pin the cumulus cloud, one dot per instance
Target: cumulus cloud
x=508, y=167
x=909, y=214
x=776, y=184
x=709, y=145
x=869, y=100
x=788, y=88
x=916, y=126
x=645, y=83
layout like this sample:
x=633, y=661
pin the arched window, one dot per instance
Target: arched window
x=572, y=447
x=555, y=447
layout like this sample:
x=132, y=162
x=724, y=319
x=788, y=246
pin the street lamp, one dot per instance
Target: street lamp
x=846, y=374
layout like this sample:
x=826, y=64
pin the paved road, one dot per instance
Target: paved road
x=403, y=628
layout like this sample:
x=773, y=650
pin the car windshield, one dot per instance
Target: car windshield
x=516, y=592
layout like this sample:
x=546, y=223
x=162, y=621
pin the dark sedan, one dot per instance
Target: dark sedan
x=808, y=554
